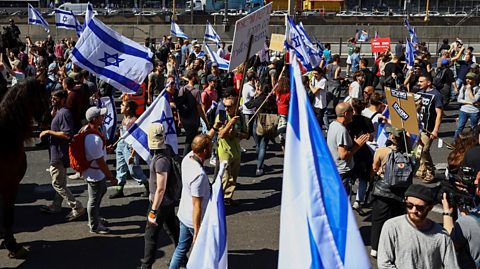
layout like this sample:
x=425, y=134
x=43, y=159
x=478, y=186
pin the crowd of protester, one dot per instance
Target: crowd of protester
x=228, y=107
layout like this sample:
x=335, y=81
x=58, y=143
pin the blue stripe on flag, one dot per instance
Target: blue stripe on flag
x=334, y=196
x=105, y=72
x=139, y=135
x=59, y=11
x=69, y=26
x=117, y=45
x=314, y=251
x=221, y=223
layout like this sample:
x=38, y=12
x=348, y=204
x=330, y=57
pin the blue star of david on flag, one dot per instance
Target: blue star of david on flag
x=106, y=59
x=170, y=123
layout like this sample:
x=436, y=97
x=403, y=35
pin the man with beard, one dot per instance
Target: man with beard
x=414, y=241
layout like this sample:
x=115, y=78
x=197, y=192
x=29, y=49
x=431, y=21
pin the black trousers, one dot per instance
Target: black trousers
x=383, y=209
x=167, y=219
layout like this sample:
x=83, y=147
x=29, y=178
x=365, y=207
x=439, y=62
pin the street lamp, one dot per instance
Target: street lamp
x=426, y=11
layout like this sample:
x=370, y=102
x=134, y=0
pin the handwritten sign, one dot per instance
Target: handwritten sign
x=380, y=44
x=255, y=26
x=403, y=112
x=277, y=42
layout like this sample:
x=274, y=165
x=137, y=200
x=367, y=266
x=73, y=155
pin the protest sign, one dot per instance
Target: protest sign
x=380, y=44
x=403, y=113
x=277, y=42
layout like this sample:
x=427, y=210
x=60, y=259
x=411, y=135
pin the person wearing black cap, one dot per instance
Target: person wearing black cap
x=413, y=240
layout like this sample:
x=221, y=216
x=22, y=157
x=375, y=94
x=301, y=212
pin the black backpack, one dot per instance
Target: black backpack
x=182, y=101
x=398, y=170
x=174, y=180
x=437, y=80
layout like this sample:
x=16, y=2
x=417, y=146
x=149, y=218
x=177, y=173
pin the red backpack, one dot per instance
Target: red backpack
x=76, y=149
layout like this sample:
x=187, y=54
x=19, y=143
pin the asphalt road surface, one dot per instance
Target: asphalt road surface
x=253, y=226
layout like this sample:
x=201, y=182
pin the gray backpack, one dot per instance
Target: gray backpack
x=398, y=170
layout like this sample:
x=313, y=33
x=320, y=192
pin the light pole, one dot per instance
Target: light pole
x=225, y=17
x=174, y=14
x=426, y=11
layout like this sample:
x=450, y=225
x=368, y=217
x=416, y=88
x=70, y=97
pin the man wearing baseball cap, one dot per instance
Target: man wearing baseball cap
x=413, y=240
x=95, y=175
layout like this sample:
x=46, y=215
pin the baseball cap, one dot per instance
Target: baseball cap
x=471, y=75
x=156, y=136
x=445, y=61
x=474, y=65
x=94, y=112
x=197, y=46
x=212, y=78
x=420, y=192
x=395, y=131
x=51, y=67
x=214, y=64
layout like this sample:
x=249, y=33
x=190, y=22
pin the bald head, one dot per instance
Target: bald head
x=341, y=108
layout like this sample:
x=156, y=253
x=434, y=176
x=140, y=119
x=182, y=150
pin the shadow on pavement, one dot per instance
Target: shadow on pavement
x=259, y=258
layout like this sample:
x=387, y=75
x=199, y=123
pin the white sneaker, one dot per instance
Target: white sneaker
x=356, y=205
x=75, y=176
x=373, y=253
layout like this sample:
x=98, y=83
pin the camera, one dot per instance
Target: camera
x=464, y=196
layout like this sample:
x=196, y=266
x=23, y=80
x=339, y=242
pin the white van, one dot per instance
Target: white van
x=76, y=8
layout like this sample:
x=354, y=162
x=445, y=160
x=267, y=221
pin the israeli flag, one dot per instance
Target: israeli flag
x=382, y=135
x=222, y=63
x=211, y=35
x=410, y=52
x=308, y=56
x=66, y=20
x=88, y=14
x=411, y=31
x=314, y=53
x=35, y=17
x=210, y=249
x=137, y=134
x=317, y=225
x=117, y=60
x=176, y=31
x=110, y=120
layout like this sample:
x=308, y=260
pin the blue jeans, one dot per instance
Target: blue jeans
x=261, y=146
x=184, y=243
x=122, y=154
x=462, y=121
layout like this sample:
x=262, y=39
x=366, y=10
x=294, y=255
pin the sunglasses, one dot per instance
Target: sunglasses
x=420, y=208
x=228, y=106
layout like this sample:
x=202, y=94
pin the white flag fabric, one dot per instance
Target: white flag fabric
x=211, y=249
x=315, y=54
x=222, y=63
x=110, y=121
x=117, y=60
x=317, y=225
x=176, y=31
x=137, y=134
x=88, y=14
x=67, y=20
x=35, y=17
x=211, y=35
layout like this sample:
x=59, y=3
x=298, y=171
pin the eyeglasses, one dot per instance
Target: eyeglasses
x=122, y=104
x=420, y=208
x=228, y=106
x=366, y=92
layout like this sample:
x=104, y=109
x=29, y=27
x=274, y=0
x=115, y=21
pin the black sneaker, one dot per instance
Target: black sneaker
x=117, y=194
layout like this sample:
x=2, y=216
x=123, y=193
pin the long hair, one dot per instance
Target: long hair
x=462, y=144
x=23, y=103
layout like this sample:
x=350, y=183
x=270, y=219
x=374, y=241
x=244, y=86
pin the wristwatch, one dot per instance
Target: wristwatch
x=447, y=214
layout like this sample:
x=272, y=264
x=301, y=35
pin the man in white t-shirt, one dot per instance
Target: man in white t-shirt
x=318, y=87
x=95, y=175
x=194, y=198
x=248, y=92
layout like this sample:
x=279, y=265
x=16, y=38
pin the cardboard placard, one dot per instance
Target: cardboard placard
x=402, y=108
x=277, y=42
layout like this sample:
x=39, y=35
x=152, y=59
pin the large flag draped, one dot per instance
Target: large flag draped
x=410, y=52
x=317, y=225
x=309, y=56
x=411, y=31
x=35, y=17
x=222, y=63
x=211, y=35
x=137, y=134
x=315, y=53
x=176, y=31
x=210, y=249
x=110, y=121
x=66, y=20
x=114, y=58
